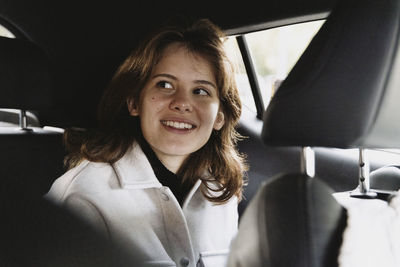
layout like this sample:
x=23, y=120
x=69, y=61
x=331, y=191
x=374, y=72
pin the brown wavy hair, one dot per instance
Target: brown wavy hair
x=218, y=158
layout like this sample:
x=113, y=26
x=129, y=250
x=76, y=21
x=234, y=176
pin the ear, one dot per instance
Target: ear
x=219, y=121
x=132, y=107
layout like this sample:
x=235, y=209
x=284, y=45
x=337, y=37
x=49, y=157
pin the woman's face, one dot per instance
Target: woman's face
x=178, y=106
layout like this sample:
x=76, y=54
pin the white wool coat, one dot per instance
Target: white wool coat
x=126, y=202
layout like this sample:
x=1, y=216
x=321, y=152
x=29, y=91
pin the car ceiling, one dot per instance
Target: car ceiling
x=86, y=40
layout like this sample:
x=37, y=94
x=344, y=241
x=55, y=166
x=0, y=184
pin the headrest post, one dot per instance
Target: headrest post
x=363, y=172
x=307, y=161
x=363, y=189
x=22, y=121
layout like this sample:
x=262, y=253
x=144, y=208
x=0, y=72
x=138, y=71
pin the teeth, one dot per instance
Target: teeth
x=178, y=125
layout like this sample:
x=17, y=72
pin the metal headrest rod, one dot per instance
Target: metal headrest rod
x=307, y=161
x=363, y=190
x=23, y=121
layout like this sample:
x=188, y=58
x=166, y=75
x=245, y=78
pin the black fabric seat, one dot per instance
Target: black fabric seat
x=34, y=232
x=31, y=158
x=292, y=221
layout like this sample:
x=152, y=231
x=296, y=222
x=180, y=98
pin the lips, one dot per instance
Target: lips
x=180, y=125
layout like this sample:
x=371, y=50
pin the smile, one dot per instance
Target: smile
x=178, y=125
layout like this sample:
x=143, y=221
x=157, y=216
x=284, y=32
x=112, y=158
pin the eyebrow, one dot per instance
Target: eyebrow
x=205, y=82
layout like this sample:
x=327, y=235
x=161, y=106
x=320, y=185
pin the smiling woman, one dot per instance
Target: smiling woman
x=181, y=98
x=164, y=153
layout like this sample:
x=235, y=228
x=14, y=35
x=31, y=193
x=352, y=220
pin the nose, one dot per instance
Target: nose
x=181, y=103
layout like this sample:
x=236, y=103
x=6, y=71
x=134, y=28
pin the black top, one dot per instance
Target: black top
x=165, y=176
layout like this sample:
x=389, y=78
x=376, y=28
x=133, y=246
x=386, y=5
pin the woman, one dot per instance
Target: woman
x=162, y=176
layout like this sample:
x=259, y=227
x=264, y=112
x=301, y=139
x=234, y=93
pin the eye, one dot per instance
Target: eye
x=164, y=84
x=201, y=91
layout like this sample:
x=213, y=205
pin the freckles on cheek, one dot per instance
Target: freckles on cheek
x=151, y=97
x=154, y=103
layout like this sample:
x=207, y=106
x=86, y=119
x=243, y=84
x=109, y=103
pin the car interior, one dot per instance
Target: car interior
x=294, y=208
x=331, y=126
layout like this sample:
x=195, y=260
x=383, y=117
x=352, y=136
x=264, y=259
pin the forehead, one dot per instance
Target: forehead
x=178, y=59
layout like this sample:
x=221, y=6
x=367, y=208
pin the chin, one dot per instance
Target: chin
x=178, y=150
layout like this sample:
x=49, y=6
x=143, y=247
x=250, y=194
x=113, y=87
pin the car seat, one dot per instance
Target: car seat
x=342, y=93
x=33, y=231
x=31, y=157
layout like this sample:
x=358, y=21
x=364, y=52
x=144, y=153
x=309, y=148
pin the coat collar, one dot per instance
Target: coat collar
x=134, y=170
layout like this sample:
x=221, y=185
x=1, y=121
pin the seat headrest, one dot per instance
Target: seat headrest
x=343, y=92
x=25, y=81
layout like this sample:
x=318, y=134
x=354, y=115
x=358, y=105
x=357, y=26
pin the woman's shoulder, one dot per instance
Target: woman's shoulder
x=84, y=179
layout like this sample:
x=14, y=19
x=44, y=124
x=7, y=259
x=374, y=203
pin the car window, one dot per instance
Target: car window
x=242, y=81
x=276, y=51
x=273, y=53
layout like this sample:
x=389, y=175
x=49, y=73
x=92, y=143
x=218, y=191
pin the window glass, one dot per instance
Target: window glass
x=233, y=52
x=275, y=51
